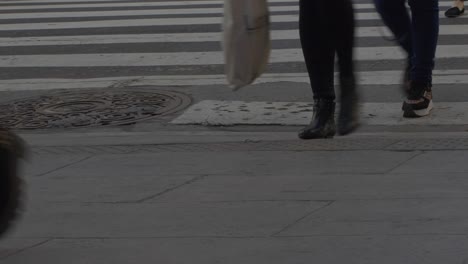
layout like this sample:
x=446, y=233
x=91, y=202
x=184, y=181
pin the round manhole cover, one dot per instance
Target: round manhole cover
x=90, y=108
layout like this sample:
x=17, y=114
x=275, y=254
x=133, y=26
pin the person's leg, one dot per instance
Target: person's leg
x=425, y=28
x=318, y=46
x=395, y=15
x=344, y=39
x=457, y=9
x=316, y=33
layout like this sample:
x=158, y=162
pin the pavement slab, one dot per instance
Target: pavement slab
x=243, y=219
x=386, y=217
x=424, y=249
x=284, y=187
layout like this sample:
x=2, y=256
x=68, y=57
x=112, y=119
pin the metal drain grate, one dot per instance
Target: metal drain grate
x=90, y=108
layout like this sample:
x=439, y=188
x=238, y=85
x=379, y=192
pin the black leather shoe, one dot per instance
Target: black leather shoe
x=323, y=122
x=11, y=150
x=454, y=12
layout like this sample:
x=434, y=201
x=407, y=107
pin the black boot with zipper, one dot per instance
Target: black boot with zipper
x=323, y=121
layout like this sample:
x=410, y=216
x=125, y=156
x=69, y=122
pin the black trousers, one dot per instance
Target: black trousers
x=327, y=28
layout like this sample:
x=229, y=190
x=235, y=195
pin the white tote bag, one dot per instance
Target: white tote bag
x=246, y=40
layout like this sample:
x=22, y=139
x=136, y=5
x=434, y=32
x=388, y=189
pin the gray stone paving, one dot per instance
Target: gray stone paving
x=151, y=192
x=244, y=206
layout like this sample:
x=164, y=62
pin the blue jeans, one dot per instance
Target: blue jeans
x=417, y=35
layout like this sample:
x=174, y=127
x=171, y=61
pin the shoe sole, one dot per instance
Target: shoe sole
x=409, y=112
x=318, y=137
x=329, y=135
x=455, y=16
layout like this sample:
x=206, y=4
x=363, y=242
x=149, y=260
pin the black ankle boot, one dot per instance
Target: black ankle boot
x=348, y=120
x=323, y=121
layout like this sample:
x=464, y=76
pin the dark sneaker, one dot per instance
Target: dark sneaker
x=419, y=102
x=454, y=12
x=11, y=150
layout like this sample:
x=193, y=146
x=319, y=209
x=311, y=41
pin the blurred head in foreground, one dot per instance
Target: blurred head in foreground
x=11, y=151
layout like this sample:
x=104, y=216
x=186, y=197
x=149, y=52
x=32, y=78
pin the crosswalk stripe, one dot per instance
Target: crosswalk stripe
x=150, y=4
x=133, y=13
x=364, y=78
x=200, y=58
x=148, y=22
x=156, y=22
x=189, y=37
x=176, y=59
x=32, y=2
x=227, y=113
x=147, y=4
x=136, y=13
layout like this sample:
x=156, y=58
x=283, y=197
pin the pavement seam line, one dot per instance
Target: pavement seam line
x=419, y=153
x=394, y=142
x=26, y=248
x=64, y=166
x=329, y=203
x=159, y=194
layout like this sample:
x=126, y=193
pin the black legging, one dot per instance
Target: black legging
x=327, y=27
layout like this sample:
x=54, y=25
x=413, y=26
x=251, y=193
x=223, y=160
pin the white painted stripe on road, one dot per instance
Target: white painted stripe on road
x=364, y=78
x=189, y=37
x=200, y=58
x=135, y=13
x=175, y=3
x=158, y=22
x=110, y=5
x=34, y=2
x=228, y=113
x=148, y=22
x=119, y=23
x=148, y=4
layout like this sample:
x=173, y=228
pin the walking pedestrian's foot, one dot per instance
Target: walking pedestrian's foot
x=11, y=150
x=406, y=79
x=348, y=120
x=419, y=102
x=456, y=11
x=323, y=121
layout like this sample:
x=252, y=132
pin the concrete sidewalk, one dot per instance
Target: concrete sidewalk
x=221, y=197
